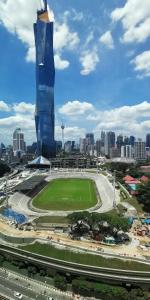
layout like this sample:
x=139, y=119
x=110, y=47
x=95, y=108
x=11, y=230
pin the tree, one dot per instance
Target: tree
x=3, y=168
x=144, y=195
x=2, y=259
x=60, y=282
x=32, y=270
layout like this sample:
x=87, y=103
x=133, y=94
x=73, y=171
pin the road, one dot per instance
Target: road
x=118, y=275
x=29, y=288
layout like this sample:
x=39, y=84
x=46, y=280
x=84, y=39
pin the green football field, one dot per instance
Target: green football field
x=67, y=194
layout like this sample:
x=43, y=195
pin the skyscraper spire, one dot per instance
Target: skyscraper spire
x=45, y=5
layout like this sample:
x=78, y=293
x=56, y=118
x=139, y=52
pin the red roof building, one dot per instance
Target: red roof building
x=144, y=178
x=128, y=178
x=135, y=181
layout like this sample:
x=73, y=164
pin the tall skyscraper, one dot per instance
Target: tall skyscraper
x=127, y=151
x=139, y=150
x=83, y=145
x=132, y=140
x=90, y=138
x=45, y=79
x=18, y=141
x=119, y=142
x=148, y=140
x=109, y=142
x=103, y=137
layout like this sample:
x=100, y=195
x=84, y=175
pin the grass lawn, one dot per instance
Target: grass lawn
x=132, y=201
x=52, y=219
x=67, y=194
x=87, y=259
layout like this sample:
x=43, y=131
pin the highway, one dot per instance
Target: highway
x=31, y=289
x=126, y=276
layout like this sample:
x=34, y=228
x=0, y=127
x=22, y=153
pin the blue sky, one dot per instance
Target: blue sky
x=102, y=59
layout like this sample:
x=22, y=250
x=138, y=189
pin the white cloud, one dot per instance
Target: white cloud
x=18, y=17
x=126, y=119
x=77, y=16
x=24, y=108
x=75, y=108
x=71, y=133
x=107, y=40
x=60, y=63
x=64, y=38
x=4, y=106
x=89, y=60
x=142, y=64
x=135, y=18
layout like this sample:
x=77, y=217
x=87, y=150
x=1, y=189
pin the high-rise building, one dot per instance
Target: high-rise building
x=45, y=78
x=139, y=150
x=126, y=140
x=127, y=151
x=103, y=137
x=148, y=140
x=109, y=142
x=18, y=141
x=67, y=146
x=119, y=142
x=83, y=145
x=90, y=138
x=98, y=146
x=132, y=140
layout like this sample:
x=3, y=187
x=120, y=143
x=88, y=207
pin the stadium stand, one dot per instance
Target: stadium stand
x=30, y=183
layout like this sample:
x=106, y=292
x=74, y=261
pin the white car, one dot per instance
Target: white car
x=18, y=295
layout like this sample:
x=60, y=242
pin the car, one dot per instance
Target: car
x=50, y=298
x=18, y=295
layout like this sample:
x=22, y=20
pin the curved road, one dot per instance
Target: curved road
x=126, y=276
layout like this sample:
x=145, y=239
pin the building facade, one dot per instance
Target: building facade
x=139, y=150
x=127, y=151
x=148, y=140
x=109, y=142
x=18, y=141
x=45, y=78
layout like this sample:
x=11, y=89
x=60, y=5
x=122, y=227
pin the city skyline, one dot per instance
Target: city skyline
x=102, y=68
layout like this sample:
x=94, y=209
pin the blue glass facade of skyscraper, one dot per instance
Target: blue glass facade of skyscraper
x=45, y=79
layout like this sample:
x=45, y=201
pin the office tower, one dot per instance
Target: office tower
x=114, y=152
x=126, y=140
x=90, y=138
x=109, y=142
x=131, y=140
x=83, y=146
x=98, y=147
x=2, y=150
x=45, y=78
x=103, y=137
x=18, y=141
x=139, y=150
x=73, y=145
x=119, y=142
x=148, y=140
x=127, y=151
x=58, y=146
x=68, y=146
